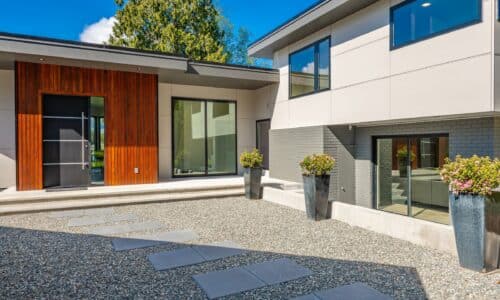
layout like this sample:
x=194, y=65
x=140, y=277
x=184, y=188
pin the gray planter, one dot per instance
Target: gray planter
x=253, y=178
x=403, y=169
x=316, y=190
x=476, y=222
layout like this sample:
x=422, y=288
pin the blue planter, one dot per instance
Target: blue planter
x=253, y=178
x=476, y=222
x=316, y=190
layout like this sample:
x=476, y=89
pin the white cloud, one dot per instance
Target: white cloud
x=99, y=32
x=309, y=69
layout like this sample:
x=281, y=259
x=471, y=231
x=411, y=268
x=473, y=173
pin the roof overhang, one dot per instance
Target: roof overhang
x=169, y=68
x=313, y=19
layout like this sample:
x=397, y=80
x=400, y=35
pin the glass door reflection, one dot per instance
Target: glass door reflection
x=408, y=180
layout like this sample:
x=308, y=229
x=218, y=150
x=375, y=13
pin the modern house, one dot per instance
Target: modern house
x=389, y=88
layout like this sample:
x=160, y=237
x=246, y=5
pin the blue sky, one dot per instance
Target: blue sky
x=68, y=19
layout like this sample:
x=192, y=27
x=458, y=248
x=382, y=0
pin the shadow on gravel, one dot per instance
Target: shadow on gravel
x=42, y=264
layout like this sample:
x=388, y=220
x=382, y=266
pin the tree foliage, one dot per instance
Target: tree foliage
x=184, y=27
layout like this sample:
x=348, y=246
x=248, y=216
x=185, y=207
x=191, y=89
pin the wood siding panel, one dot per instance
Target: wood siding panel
x=131, y=132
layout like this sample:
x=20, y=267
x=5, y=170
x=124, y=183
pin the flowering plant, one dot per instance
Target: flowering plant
x=251, y=159
x=402, y=153
x=317, y=164
x=474, y=175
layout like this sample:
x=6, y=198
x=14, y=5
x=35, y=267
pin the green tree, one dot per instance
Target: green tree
x=236, y=45
x=185, y=27
x=236, y=42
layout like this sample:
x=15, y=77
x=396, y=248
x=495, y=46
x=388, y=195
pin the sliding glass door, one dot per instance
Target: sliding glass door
x=408, y=180
x=204, y=137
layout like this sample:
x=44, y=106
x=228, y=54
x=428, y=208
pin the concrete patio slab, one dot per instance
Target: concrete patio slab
x=241, y=279
x=97, y=219
x=144, y=241
x=175, y=259
x=177, y=236
x=306, y=297
x=280, y=270
x=355, y=291
x=125, y=228
x=81, y=213
x=228, y=282
x=194, y=255
x=219, y=250
x=124, y=244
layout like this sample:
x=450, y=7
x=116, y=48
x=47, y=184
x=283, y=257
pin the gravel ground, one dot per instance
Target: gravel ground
x=41, y=257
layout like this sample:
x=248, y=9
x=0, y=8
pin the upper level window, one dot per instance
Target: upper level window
x=310, y=69
x=415, y=20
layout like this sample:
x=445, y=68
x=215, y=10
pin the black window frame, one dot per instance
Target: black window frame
x=453, y=28
x=316, y=68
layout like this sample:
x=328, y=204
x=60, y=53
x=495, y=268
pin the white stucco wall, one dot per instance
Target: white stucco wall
x=251, y=106
x=7, y=130
x=446, y=75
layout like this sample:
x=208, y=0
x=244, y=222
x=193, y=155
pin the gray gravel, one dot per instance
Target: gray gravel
x=41, y=257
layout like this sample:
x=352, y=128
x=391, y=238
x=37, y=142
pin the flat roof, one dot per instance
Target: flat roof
x=169, y=68
x=314, y=18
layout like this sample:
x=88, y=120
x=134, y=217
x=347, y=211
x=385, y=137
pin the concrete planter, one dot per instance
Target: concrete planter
x=253, y=179
x=316, y=190
x=476, y=223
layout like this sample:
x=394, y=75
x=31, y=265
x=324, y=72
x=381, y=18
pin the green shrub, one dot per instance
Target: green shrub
x=402, y=153
x=475, y=175
x=317, y=164
x=251, y=159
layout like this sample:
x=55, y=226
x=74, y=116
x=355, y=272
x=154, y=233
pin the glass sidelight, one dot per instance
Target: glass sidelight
x=408, y=180
x=96, y=140
x=204, y=137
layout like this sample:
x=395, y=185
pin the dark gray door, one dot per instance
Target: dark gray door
x=263, y=127
x=65, y=141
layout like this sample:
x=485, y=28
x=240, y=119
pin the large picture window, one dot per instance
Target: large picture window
x=416, y=20
x=204, y=137
x=310, y=69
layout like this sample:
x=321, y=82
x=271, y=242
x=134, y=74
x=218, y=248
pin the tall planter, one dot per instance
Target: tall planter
x=476, y=223
x=316, y=190
x=252, y=178
x=403, y=169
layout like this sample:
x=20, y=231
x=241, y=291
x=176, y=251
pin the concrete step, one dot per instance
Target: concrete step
x=114, y=199
x=108, y=192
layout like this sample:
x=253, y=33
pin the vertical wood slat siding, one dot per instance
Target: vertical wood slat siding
x=131, y=132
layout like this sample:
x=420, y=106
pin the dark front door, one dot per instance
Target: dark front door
x=65, y=141
x=263, y=127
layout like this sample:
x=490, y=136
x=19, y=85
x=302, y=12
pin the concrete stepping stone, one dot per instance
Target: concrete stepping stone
x=145, y=241
x=228, y=282
x=125, y=228
x=355, y=291
x=279, y=270
x=219, y=250
x=81, y=213
x=222, y=283
x=97, y=220
x=175, y=259
x=194, y=255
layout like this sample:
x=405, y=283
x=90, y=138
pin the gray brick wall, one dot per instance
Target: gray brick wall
x=352, y=178
x=289, y=146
